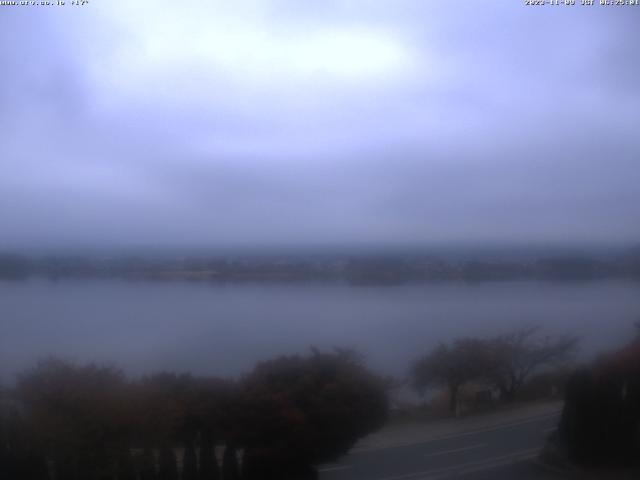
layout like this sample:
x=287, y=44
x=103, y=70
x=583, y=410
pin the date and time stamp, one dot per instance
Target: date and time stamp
x=529, y=3
x=532, y=3
x=44, y=3
x=583, y=3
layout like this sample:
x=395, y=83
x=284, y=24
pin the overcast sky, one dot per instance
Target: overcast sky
x=217, y=123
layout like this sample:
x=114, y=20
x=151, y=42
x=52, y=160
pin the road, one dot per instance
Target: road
x=492, y=448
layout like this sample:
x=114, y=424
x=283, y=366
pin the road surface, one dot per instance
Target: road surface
x=497, y=446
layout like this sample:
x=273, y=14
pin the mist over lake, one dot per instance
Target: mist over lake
x=219, y=329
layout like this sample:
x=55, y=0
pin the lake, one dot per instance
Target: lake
x=224, y=329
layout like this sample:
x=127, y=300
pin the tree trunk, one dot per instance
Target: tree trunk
x=453, y=399
x=508, y=394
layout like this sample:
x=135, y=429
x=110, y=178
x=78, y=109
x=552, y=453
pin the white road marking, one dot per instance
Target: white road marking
x=333, y=469
x=507, y=460
x=456, y=450
x=540, y=418
x=469, y=467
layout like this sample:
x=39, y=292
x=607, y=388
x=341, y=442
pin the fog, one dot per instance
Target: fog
x=158, y=124
x=224, y=330
x=304, y=240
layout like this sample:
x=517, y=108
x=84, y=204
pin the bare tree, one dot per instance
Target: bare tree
x=516, y=355
x=451, y=366
x=506, y=361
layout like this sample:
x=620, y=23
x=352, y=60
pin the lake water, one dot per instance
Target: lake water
x=224, y=329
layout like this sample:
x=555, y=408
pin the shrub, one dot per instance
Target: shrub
x=300, y=411
x=601, y=418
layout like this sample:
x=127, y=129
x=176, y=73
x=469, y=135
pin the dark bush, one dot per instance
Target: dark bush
x=600, y=422
x=209, y=469
x=146, y=465
x=189, y=463
x=92, y=423
x=230, y=468
x=126, y=469
x=300, y=411
x=174, y=408
x=79, y=415
x=167, y=465
x=544, y=385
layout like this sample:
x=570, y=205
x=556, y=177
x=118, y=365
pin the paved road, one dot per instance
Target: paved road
x=494, y=450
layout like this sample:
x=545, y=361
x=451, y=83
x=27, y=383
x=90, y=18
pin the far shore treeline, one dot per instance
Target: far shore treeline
x=380, y=268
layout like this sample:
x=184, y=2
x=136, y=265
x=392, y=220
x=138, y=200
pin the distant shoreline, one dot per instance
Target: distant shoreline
x=351, y=269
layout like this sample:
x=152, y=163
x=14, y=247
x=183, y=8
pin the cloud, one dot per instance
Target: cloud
x=155, y=122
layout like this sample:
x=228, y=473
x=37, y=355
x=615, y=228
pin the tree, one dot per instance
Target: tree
x=175, y=408
x=162, y=402
x=451, y=366
x=301, y=411
x=79, y=414
x=515, y=356
x=20, y=456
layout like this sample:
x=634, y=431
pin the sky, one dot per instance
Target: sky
x=280, y=122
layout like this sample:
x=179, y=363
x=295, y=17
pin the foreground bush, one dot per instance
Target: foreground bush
x=600, y=422
x=92, y=423
x=79, y=415
x=301, y=411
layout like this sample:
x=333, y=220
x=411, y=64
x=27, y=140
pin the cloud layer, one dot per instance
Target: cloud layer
x=280, y=122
